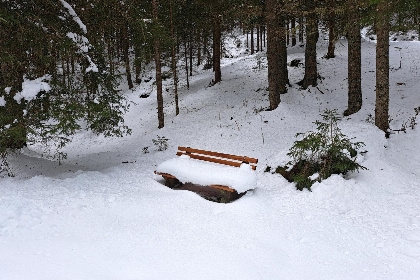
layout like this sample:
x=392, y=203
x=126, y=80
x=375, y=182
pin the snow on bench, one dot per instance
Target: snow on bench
x=210, y=169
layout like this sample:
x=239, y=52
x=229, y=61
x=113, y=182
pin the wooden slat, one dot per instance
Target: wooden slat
x=221, y=155
x=166, y=175
x=215, y=160
x=222, y=188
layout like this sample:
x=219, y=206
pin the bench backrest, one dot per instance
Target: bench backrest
x=221, y=158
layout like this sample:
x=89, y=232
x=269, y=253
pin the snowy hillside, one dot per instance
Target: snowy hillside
x=104, y=214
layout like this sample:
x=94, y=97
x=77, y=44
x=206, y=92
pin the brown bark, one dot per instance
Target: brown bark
x=186, y=64
x=264, y=34
x=216, y=47
x=110, y=56
x=198, y=48
x=126, y=47
x=293, y=30
x=247, y=39
x=137, y=64
x=354, y=60
x=258, y=38
x=276, y=42
x=190, y=48
x=331, y=30
x=311, y=69
x=252, y=39
x=382, y=69
x=156, y=44
x=173, y=62
x=301, y=29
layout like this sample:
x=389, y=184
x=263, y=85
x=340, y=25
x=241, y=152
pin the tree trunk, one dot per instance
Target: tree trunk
x=247, y=39
x=252, y=39
x=301, y=29
x=275, y=53
x=198, y=48
x=110, y=56
x=331, y=29
x=216, y=47
x=126, y=47
x=186, y=63
x=137, y=64
x=156, y=44
x=173, y=61
x=354, y=60
x=258, y=38
x=311, y=70
x=264, y=32
x=382, y=69
x=293, y=29
x=190, y=48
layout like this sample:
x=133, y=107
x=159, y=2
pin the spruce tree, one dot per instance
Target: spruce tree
x=49, y=47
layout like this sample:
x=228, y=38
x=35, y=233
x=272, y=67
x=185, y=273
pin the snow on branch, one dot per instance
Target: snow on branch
x=31, y=88
x=74, y=16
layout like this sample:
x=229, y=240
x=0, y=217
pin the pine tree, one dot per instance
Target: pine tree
x=47, y=43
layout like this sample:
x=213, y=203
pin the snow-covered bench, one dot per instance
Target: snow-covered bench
x=216, y=176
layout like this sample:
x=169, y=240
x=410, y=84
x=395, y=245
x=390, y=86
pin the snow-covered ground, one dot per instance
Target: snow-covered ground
x=104, y=214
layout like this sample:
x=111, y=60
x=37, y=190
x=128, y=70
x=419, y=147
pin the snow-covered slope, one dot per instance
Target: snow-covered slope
x=103, y=214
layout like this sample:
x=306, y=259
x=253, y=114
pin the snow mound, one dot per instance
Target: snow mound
x=189, y=170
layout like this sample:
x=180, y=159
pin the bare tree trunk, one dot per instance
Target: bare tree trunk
x=382, y=69
x=276, y=43
x=264, y=32
x=137, y=64
x=190, y=48
x=258, y=38
x=301, y=29
x=173, y=61
x=198, y=48
x=252, y=39
x=354, y=60
x=311, y=69
x=156, y=44
x=126, y=47
x=331, y=30
x=205, y=47
x=216, y=49
x=186, y=63
x=293, y=27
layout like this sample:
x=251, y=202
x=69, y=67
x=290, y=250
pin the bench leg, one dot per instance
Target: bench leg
x=227, y=196
x=172, y=183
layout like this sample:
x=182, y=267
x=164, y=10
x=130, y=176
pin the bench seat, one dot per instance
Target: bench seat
x=188, y=170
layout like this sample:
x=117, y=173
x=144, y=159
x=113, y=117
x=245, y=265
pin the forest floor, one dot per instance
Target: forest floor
x=104, y=214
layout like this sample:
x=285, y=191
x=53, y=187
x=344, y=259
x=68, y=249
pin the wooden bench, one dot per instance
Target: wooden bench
x=215, y=192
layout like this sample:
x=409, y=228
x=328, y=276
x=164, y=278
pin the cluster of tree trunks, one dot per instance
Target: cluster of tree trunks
x=194, y=29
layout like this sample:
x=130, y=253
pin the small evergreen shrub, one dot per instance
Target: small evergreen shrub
x=321, y=153
x=161, y=143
